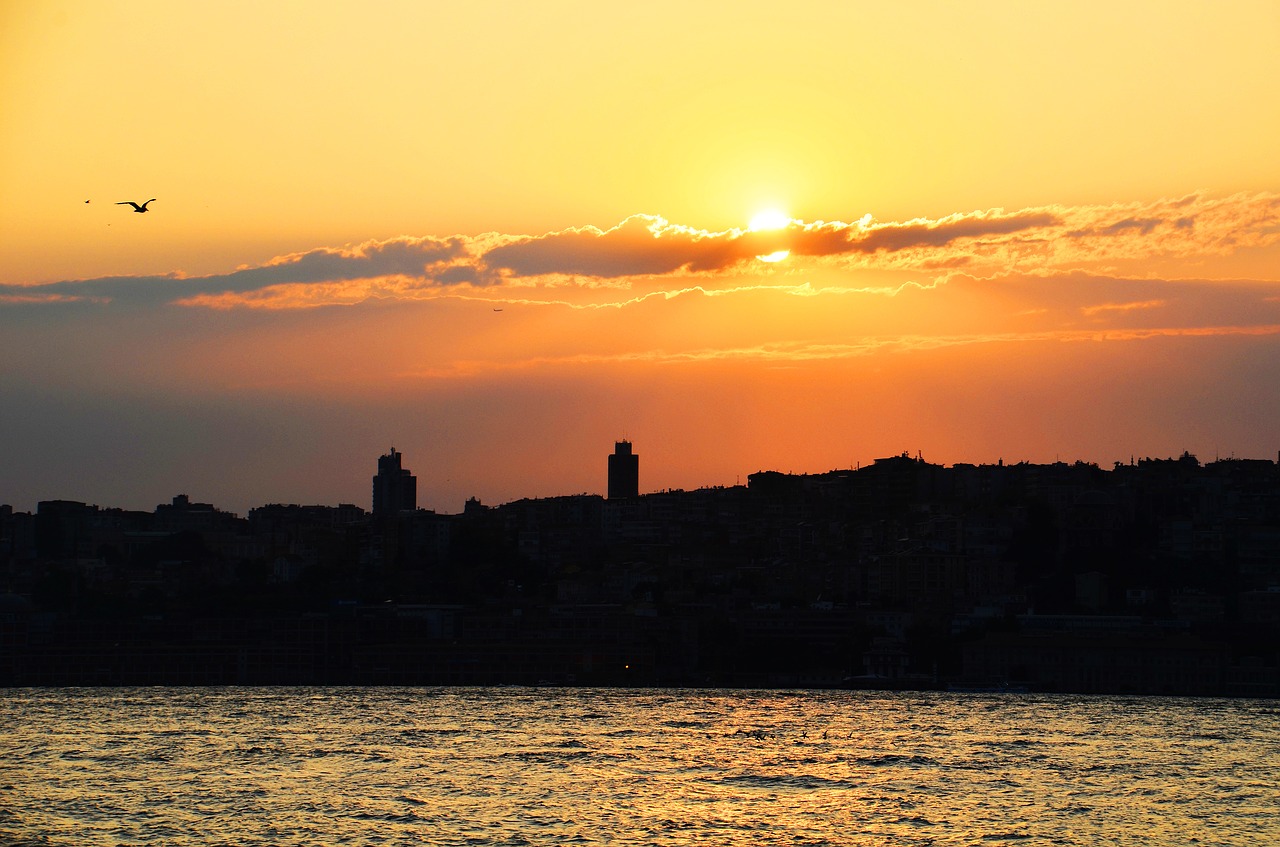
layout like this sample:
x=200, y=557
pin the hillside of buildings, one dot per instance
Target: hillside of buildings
x=1161, y=576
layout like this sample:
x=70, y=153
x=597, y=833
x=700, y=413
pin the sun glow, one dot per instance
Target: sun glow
x=769, y=219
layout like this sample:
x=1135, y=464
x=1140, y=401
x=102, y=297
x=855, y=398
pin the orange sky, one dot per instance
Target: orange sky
x=500, y=237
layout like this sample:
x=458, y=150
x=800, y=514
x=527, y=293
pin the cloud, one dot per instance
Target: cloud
x=642, y=245
x=404, y=256
x=1103, y=308
x=925, y=233
x=649, y=245
x=1181, y=227
x=1051, y=238
x=1145, y=225
x=409, y=258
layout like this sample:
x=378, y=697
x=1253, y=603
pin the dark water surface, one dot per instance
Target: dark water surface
x=512, y=766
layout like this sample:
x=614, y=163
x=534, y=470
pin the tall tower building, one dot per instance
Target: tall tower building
x=624, y=472
x=394, y=488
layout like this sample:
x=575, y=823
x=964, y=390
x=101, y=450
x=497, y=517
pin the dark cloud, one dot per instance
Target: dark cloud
x=119, y=289
x=648, y=245
x=1125, y=226
x=1142, y=225
x=410, y=257
x=642, y=245
x=831, y=240
x=397, y=257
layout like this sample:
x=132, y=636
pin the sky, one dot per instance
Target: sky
x=746, y=236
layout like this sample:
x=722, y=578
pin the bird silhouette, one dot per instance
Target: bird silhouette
x=136, y=207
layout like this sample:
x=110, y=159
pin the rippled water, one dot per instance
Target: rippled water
x=554, y=766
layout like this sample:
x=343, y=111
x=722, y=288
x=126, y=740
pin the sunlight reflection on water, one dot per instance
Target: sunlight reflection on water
x=537, y=766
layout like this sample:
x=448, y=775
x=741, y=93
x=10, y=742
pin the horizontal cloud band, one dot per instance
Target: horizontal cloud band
x=1057, y=237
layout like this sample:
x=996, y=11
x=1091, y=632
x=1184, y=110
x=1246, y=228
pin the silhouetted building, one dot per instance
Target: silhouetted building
x=394, y=488
x=624, y=472
x=63, y=528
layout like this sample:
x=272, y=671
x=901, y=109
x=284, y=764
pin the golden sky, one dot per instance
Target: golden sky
x=500, y=236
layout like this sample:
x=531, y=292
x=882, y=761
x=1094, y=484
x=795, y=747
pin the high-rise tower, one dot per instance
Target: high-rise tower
x=624, y=472
x=394, y=488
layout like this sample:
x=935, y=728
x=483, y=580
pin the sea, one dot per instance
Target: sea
x=535, y=766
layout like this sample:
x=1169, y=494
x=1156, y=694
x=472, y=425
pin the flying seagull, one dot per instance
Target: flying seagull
x=136, y=207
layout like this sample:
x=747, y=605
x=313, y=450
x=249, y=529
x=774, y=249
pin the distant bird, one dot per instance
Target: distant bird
x=136, y=207
x=86, y=201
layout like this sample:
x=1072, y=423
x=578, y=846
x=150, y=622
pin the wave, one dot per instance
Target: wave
x=803, y=782
x=894, y=760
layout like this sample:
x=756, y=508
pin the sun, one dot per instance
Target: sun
x=767, y=219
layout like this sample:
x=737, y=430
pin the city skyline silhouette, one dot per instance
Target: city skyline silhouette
x=1154, y=577
x=395, y=486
